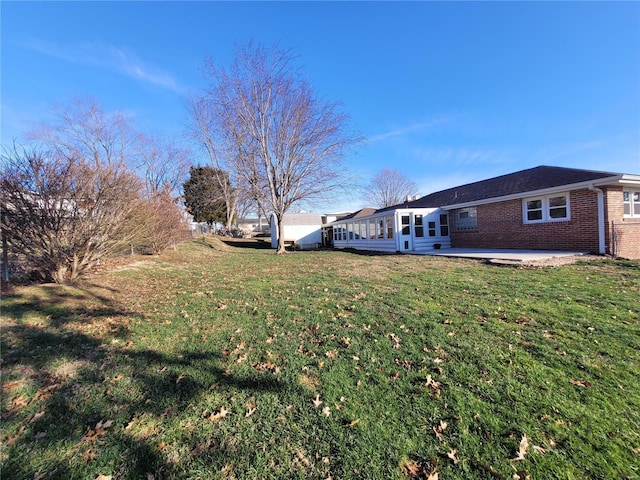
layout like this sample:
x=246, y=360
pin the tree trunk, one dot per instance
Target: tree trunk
x=281, y=248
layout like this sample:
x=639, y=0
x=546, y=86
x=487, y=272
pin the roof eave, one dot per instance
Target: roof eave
x=550, y=191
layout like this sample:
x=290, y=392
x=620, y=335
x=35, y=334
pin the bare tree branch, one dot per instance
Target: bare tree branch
x=389, y=187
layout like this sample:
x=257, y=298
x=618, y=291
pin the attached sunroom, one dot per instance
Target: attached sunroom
x=398, y=230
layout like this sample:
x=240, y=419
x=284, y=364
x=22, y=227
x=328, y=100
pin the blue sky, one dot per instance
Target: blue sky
x=446, y=92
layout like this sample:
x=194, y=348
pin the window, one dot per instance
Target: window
x=551, y=208
x=432, y=229
x=389, y=226
x=381, y=228
x=631, y=199
x=372, y=229
x=406, y=226
x=419, y=226
x=444, y=225
x=350, y=230
x=465, y=219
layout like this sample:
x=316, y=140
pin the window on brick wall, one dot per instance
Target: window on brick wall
x=550, y=208
x=465, y=219
x=631, y=200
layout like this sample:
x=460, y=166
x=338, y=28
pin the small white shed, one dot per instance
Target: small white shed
x=302, y=230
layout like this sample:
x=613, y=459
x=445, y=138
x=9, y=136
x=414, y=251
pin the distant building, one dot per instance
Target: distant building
x=301, y=230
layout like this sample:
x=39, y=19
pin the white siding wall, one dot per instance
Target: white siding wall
x=303, y=236
x=375, y=237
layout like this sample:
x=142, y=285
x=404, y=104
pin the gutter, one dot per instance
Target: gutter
x=601, y=242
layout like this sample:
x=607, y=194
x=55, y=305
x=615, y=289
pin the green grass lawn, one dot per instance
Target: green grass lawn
x=217, y=361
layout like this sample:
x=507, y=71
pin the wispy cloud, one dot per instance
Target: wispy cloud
x=572, y=149
x=435, y=122
x=108, y=56
x=460, y=157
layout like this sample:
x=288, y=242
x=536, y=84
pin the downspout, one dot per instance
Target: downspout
x=601, y=242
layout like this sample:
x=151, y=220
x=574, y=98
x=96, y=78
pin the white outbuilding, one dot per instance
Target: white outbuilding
x=301, y=230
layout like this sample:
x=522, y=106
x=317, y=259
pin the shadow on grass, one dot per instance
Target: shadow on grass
x=60, y=382
x=255, y=244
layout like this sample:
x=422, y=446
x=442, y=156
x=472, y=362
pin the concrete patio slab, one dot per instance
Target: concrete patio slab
x=513, y=255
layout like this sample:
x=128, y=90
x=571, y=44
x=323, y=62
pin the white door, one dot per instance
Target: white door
x=406, y=232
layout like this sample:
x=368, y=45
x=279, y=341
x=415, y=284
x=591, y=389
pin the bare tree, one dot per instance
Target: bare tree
x=204, y=130
x=389, y=187
x=75, y=199
x=164, y=164
x=83, y=130
x=64, y=214
x=284, y=141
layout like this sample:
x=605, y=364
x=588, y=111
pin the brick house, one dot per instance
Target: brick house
x=545, y=208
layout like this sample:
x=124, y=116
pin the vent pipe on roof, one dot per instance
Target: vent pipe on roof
x=601, y=242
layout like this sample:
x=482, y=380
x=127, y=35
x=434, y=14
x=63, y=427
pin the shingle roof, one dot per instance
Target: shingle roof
x=532, y=179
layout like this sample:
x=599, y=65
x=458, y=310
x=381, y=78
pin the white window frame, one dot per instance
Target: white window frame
x=632, y=202
x=546, y=208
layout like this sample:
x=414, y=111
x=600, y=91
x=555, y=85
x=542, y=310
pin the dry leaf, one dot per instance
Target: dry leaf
x=453, y=455
x=36, y=416
x=250, y=412
x=539, y=450
x=411, y=468
x=104, y=477
x=88, y=455
x=580, y=383
x=326, y=411
x=522, y=450
x=100, y=430
x=221, y=414
x=317, y=402
x=352, y=423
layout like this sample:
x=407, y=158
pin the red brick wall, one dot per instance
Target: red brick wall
x=622, y=234
x=500, y=225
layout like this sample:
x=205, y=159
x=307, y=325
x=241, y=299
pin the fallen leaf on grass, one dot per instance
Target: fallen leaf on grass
x=326, y=411
x=104, y=477
x=434, y=386
x=540, y=450
x=101, y=429
x=88, y=455
x=352, y=423
x=580, y=383
x=317, y=402
x=167, y=413
x=36, y=416
x=221, y=414
x=522, y=449
x=439, y=429
x=453, y=455
x=414, y=470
